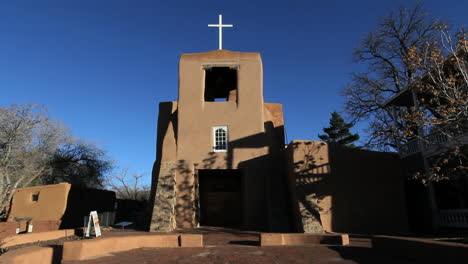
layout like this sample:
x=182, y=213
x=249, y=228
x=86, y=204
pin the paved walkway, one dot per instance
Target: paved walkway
x=225, y=246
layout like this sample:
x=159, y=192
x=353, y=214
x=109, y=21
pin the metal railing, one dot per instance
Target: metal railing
x=454, y=218
x=409, y=148
x=434, y=138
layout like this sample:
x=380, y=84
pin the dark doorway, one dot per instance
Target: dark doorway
x=220, y=198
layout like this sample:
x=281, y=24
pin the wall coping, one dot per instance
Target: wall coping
x=91, y=248
x=289, y=239
x=18, y=239
x=34, y=254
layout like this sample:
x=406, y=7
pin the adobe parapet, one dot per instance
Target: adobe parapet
x=221, y=55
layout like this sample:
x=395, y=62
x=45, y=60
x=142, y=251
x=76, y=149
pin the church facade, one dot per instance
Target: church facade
x=219, y=147
x=222, y=161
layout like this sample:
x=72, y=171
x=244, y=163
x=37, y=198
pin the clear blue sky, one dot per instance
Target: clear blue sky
x=102, y=67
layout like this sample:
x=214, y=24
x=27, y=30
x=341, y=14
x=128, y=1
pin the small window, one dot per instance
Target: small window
x=220, y=138
x=220, y=84
x=35, y=197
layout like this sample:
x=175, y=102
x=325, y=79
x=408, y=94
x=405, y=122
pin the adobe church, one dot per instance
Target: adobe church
x=222, y=161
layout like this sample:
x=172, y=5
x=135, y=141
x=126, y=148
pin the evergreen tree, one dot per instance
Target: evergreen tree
x=338, y=132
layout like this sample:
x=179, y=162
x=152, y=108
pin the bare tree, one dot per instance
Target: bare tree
x=442, y=80
x=28, y=138
x=441, y=69
x=128, y=186
x=412, y=51
x=35, y=150
x=79, y=163
x=385, y=51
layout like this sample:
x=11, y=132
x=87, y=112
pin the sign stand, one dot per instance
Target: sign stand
x=93, y=217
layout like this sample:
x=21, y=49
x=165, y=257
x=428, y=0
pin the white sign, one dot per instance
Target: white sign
x=93, y=217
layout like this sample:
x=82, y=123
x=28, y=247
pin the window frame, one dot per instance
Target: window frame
x=35, y=197
x=225, y=128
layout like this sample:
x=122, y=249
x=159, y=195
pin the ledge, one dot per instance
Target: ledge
x=290, y=239
x=191, y=240
x=18, y=239
x=429, y=251
x=90, y=248
x=35, y=254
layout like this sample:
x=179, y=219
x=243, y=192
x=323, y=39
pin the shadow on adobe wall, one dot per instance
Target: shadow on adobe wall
x=305, y=172
x=348, y=190
x=263, y=179
x=57, y=253
x=367, y=189
x=81, y=201
x=185, y=188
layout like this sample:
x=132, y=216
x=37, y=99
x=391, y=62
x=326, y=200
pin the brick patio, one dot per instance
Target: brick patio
x=231, y=246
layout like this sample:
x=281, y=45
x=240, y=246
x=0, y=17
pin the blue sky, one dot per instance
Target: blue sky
x=102, y=67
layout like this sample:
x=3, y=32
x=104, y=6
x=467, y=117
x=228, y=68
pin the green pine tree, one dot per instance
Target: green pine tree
x=338, y=132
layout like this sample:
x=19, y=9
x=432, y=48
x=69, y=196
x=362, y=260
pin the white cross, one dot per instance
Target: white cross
x=220, y=26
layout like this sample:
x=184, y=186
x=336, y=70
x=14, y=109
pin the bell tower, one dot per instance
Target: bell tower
x=219, y=147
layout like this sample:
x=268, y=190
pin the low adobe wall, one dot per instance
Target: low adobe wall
x=45, y=225
x=14, y=240
x=429, y=251
x=268, y=239
x=36, y=255
x=58, y=206
x=191, y=240
x=7, y=228
x=85, y=249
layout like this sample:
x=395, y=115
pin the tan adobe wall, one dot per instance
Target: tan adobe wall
x=7, y=228
x=196, y=118
x=291, y=239
x=86, y=249
x=33, y=254
x=166, y=133
x=349, y=190
x=51, y=204
x=35, y=237
x=46, y=225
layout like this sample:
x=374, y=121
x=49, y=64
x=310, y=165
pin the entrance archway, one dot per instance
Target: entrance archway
x=220, y=194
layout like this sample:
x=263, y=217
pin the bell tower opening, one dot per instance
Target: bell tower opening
x=220, y=84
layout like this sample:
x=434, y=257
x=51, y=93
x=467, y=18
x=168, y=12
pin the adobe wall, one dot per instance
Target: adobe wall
x=32, y=254
x=81, y=201
x=94, y=248
x=58, y=206
x=14, y=240
x=50, y=205
x=262, y=172
x=7, y=228
x=185, y=142
x=345, y=190
x=163, y=176
x=244, y=117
